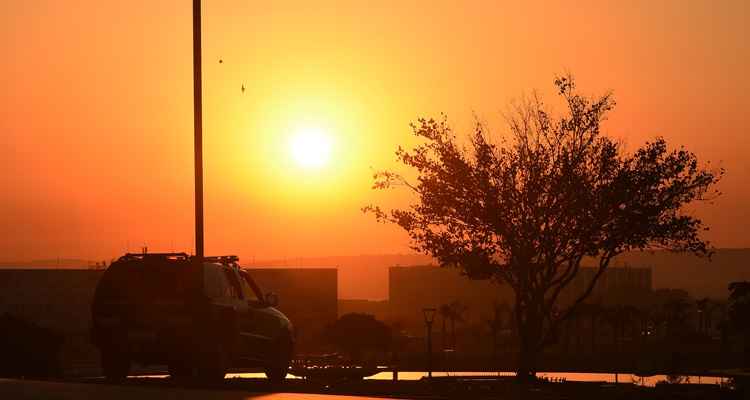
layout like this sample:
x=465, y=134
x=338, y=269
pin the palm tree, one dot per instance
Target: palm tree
x=594, y=312
x=659, y=318
x=677, y=314
x=711, y=310
x=457, y=314
x=445, y=312
x=499, y=310
x=739, y=311
x=452, y=312
x=644, y=316
x=570, y=328
x=610, y=317
x=702, y=306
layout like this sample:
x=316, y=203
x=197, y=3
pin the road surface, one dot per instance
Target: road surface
x=12, y=389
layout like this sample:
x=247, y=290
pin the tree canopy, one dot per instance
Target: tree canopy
x=526, y=208
x=357, y=333
x=739, y=306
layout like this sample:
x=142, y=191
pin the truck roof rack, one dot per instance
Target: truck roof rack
x=166, y=256
x=230, y=261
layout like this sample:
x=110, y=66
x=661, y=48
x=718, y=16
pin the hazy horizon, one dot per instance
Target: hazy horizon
x=97, y=111
x=366, y=276
x=289, y=260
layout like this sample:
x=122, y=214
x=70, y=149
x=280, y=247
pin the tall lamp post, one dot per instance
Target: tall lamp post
x=429, y=318
x=198, y=129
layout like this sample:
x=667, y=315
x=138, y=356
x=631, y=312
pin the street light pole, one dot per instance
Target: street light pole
x=429, y=350
x=429, y=318
x=198, y=128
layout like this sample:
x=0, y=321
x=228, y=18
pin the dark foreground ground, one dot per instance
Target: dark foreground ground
x=21, y=389
x=240, y=388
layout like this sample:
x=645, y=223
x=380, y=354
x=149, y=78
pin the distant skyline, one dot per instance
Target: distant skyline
x=96, y=111
x=366, y=276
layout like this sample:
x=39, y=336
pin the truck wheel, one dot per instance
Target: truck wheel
x=115, y=365
x=276, y=371
x=179, y=371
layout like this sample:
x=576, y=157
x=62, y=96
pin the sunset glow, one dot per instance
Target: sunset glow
x=98, y=111
x=310, y=148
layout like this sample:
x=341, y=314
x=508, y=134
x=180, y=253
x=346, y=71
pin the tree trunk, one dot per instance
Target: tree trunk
x=529, y=321
x=593, y=334
x=443, y=335
x=453, y=333
x=495, y=346
x=527, y=360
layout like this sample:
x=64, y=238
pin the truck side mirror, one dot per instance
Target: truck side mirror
x=272, y=299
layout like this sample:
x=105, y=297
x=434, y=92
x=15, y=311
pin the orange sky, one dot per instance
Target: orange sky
x=96, y=109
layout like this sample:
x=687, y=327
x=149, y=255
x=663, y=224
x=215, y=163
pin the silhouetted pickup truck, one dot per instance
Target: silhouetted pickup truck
x=198, y=318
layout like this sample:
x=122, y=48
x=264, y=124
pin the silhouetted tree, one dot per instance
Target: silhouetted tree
x=451, y=312
x=445, y=312
x=713, y=307
x=594, y=313
x=572, y=328
x=676, y=311
x=28, y=349
x=399, y=340
x=739, y=313
x=644, y=315
x=619, y=317
x=500, y=311
x=357, y=333
x=706, y=309
x=527, y=209
x=458, y=310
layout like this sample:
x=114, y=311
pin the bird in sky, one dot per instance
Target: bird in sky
x=242, y=88
x=221, y=61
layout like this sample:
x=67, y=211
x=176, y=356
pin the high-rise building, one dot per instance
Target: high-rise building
x=413, y=288
x=616, y=285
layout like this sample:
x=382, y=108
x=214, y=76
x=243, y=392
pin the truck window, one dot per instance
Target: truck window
x=217, y=284
x=251, y=290
x=147, y=282
x=234, y=284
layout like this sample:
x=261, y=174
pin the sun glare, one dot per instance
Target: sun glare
x=310, y=148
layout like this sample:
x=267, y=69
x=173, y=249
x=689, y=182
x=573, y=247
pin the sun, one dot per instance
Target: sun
x=310, y=148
